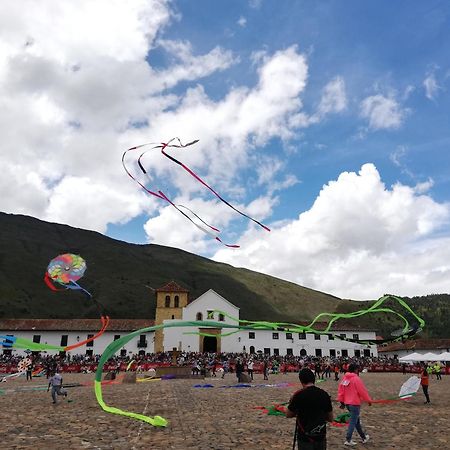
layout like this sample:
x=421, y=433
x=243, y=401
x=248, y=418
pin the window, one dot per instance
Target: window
x=90, y=344
x=141, y=353
x=318, y=352
x=358, y=353
x=37, y=338
x=288, y=335
x=177, y=301
x=302, y=335
x=89, y=352
x=303, y=352
x=123, y=352
x=343, y=335
x=142, y=343
x=173, y=317
x=345, y=353
x=199, y=316
x=317, y=337
x=333, y=352
x=221, y=317
x=267, y=351
x=167, y=301
x=116, y=336
x=210, y=314
x=330, y=337
x=366, y=352
x=276, y=351
x=64, y=339
x=251, y=335
x=356, y=336
x=252, y=350
x=275, y=335
x=289, y=352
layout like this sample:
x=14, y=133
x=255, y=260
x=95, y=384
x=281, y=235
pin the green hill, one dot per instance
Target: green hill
x=122, y=277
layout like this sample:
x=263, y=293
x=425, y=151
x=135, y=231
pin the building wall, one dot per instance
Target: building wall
x=265, y=340
x=98, y=347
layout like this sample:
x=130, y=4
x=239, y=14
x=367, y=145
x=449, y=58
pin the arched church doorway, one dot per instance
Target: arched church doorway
x=209, y=344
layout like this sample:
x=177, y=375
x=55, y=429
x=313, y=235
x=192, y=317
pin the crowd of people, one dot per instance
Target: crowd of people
x=211, y=363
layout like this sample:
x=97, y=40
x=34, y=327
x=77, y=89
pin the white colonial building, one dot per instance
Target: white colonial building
x=172, y=308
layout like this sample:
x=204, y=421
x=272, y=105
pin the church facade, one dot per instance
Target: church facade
x=172, y=307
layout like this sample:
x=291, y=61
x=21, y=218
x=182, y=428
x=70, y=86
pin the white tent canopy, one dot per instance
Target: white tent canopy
x=411, y=357
x=426, y=357
x=444, y=356
x=430, y=357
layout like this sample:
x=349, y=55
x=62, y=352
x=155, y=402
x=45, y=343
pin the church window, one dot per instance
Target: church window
x=199, y=316
x=177, y=301
x=167, y=301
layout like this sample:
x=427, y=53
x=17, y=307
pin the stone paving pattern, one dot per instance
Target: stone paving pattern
x=218, y=419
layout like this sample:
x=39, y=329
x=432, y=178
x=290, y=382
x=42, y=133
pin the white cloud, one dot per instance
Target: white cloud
x=383, y=112
x=242, y=22
x=431, y=86
x=358, y=240
x=334, y=98
x=255, y=4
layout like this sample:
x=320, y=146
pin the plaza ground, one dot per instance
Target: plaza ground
x=212, y=418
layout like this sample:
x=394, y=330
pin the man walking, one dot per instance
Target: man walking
x=351, y=392
x=312, y=407
x=56, y=384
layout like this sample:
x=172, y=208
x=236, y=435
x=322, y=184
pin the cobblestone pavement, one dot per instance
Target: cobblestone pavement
x=214, y=418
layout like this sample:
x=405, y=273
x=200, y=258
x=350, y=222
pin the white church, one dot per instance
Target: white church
x=172, y=307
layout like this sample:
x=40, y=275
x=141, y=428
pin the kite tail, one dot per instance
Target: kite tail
x=105, y=323
x=210, y=188
x=197, y=225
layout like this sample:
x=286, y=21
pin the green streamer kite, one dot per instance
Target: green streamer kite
x=407, y=332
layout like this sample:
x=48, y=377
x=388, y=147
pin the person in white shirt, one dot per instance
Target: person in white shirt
x=250, y=368
x=56, y=384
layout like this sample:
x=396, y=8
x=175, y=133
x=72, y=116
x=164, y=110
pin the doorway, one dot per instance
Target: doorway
x=209, y=344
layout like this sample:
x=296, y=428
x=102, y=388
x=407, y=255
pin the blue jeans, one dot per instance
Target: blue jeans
x=57, y=390
x=354, y=422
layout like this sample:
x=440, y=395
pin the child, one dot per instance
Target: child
x=424, y=382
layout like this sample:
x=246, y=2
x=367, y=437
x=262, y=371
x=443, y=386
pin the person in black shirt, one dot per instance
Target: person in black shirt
x=312, y=408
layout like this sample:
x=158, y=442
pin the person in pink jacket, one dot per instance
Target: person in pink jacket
x=351, y=393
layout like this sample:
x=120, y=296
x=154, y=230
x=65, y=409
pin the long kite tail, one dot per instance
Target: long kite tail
x=105, y=323
x=162, y=196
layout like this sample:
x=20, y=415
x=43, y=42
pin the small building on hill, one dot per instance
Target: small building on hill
x=173, y=306
x=422, y=346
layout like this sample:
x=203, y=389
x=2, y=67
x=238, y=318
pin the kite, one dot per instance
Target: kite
x=64, y=270
x=210, y=230
x=409, y=387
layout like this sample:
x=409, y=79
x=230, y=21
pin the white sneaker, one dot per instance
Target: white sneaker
x=366, y=439
x=350, y=443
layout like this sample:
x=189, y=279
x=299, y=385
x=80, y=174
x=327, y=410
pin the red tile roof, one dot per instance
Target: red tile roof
x=171, y=286
x=416, y=344
x=73, y=324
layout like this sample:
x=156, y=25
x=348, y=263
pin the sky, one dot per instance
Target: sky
x=327, y=121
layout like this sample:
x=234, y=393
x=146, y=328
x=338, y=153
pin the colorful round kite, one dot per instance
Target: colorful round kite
x=66, y=268
x=24, y=364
